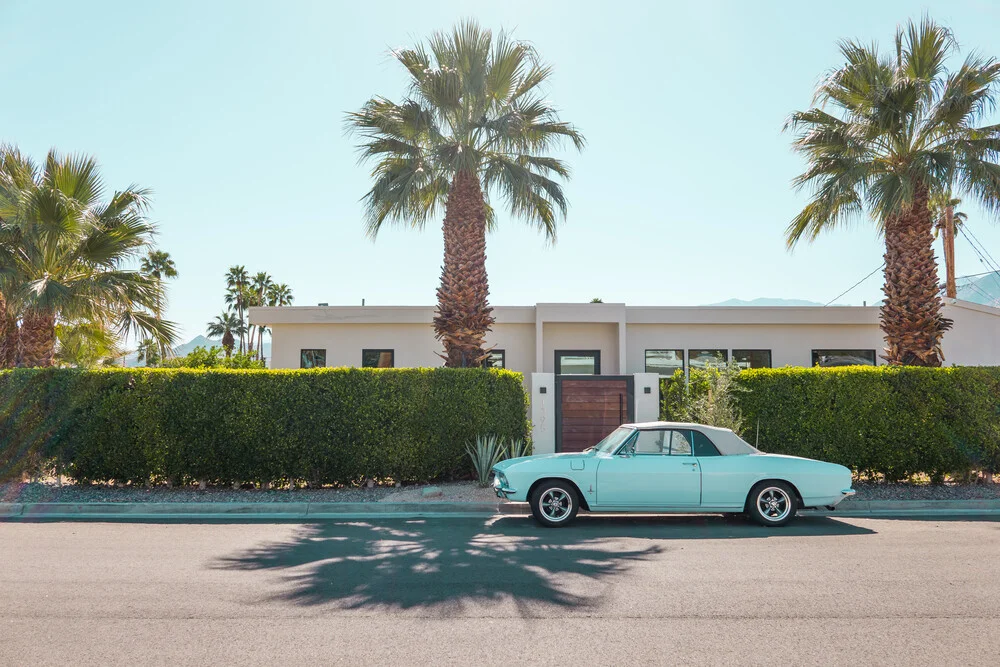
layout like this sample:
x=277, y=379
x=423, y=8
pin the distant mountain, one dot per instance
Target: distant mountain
x=765, y=301
x=184, y=348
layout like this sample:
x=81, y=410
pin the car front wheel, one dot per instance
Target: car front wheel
x=772, y=503
x=554, y=503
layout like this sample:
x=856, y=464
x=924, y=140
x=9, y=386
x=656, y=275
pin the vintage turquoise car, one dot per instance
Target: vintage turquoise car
x=671, y=468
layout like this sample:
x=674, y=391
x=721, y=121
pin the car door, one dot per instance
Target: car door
x=656, y=470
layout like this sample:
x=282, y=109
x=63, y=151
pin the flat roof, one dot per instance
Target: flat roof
x=592, y=312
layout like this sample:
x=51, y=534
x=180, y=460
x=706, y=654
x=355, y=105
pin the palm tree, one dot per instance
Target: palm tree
x=67, y=256
x=148, y=351
x=237, y=281
x=943, y=206
x=280, y=295
x=159, y=265
x=474, y=125
x=900, y=129
x=85, y=344
x=228, y=326
x=260, y=285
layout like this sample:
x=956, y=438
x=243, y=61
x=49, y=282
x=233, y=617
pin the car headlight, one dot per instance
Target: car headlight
x=500, y=479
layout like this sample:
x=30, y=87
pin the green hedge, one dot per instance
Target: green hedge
x=886, y=421
x=335, y=425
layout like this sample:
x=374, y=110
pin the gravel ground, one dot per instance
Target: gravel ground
x=453, y=492
x=50, y=493
x=873, y=491
x=37, y=492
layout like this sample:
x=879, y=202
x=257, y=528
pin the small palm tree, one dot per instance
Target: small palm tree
x=148, y=352
x=260, y=286
x=227, y=326
x=237, y=283
x=280, y=295
x=943, y=206
x=474, y=126
x=67, y=253
x=900, y=128
x=159, y=266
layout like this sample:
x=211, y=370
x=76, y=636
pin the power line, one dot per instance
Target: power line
x=981, y=245
x=880, y=267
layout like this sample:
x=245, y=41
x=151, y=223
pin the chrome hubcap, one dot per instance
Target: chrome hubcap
x=774, y=503
x=555, y=504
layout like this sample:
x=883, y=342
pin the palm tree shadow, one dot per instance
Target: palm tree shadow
x=411, y=564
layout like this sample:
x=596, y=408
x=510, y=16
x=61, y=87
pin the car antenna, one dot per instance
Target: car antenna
x=756, y=440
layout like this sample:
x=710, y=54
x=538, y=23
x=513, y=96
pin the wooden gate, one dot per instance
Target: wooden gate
x=588, y=407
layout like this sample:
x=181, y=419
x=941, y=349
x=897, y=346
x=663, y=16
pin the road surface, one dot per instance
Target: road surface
x=605, y=591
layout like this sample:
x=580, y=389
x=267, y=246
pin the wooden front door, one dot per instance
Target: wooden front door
x=589, y=408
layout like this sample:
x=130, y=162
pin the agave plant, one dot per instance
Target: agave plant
x=486, y=453
x=518, y=448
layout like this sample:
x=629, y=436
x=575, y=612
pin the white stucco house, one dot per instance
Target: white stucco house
x=614, y=339
x=550, y=343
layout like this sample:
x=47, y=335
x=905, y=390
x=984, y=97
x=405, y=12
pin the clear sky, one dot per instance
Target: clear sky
x=232, y=112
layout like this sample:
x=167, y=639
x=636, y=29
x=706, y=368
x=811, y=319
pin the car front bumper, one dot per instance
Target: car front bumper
x=501, y=488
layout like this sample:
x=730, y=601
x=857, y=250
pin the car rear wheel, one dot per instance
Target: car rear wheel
x=772, y=504
x=554, y=503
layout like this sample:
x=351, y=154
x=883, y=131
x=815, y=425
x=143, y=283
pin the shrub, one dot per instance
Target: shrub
x=331, y=425
x=213, y=357
x=886, y=421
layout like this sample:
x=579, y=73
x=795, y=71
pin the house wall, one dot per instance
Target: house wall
x=974, y=339
x=601, y=336
x=530, y=335
x=414, y=344
x=790, y=344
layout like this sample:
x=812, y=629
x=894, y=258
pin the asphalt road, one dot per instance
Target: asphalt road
x=606, y=591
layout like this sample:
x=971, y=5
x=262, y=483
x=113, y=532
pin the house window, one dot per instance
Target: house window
x=828, y=358
x=752, y=358
x=707, y=358
x=496, y=359
x=312, y=358
x=378, y=358
x=664, y=362
x=578, y=362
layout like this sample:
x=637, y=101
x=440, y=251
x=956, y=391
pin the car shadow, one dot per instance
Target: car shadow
x=405, y=564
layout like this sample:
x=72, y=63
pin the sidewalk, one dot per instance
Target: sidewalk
x=316, y=511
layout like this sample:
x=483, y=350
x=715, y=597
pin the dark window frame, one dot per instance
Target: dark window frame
x=770, y=355
x=645, y=359
x=379, y=351
x=815, y=354
x=725, y=355
x=577, y=353
x=503, y=358
x=303, y=350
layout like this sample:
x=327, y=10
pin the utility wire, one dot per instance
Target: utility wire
x=981, y=244
x=984, y=256
x=880, y=267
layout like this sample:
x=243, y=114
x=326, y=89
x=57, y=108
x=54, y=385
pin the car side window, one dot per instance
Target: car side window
x=651, y=442
x=680, y=443
x=702, y=445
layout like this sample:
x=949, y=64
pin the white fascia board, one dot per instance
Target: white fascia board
x=372, y=315
x=864, y=315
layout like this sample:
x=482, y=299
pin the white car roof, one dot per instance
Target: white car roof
x=727, y=442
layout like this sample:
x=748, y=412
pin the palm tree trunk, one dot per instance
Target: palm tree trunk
x=948, y=238
x=38, y=339
x=911, y=313
x=463, y=313
x=8, y=336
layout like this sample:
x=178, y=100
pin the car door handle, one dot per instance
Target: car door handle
x=690, y=464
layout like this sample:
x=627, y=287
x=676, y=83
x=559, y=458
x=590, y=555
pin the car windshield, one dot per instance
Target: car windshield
x=614, y=440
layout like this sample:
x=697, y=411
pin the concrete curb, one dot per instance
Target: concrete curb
x=323, y=511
